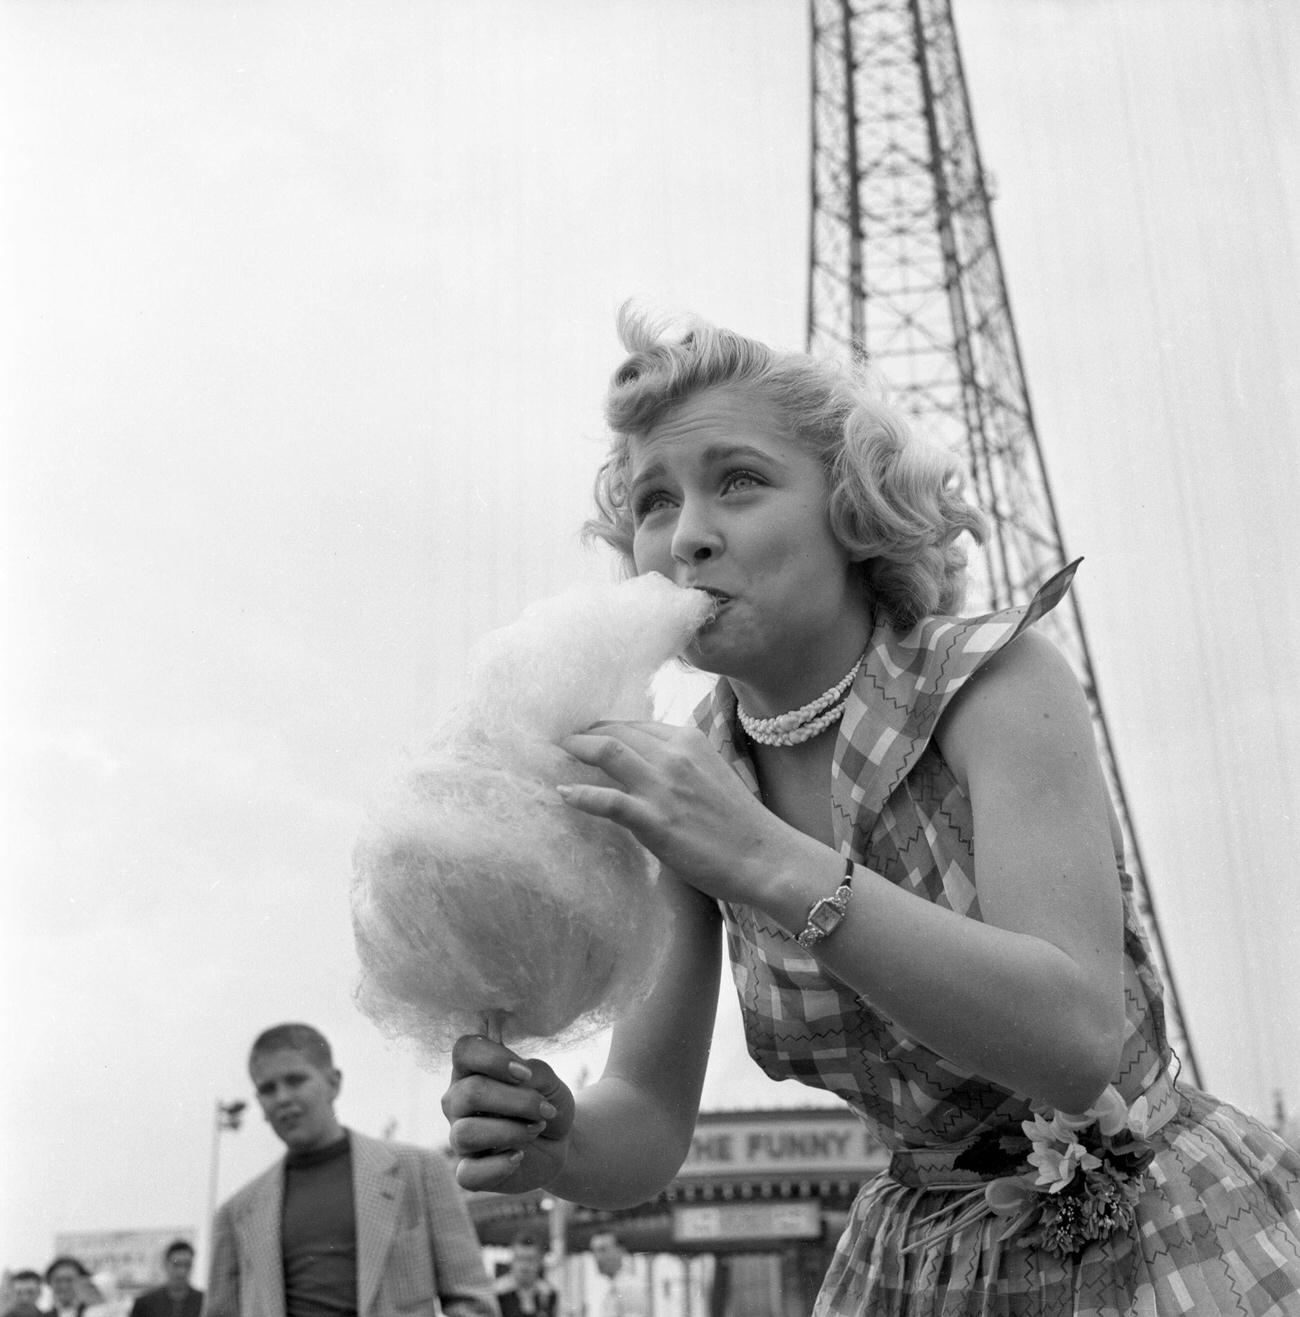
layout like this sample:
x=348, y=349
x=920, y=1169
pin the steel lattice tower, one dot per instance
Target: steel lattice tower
x=904, y=270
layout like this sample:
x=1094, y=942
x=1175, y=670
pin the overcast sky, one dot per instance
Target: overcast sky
x=307, y=314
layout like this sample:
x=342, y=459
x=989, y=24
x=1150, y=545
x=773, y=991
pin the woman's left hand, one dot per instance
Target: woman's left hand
x=681, y=800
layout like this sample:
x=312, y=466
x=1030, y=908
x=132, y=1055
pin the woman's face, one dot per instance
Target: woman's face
x=723, y=498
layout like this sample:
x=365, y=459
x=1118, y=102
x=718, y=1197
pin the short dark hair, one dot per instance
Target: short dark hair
x=294, y=1038
x=66, y=1260
x=178, y=1246
x=26, y=1274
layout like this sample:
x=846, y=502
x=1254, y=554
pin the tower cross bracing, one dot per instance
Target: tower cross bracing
x=904, y=270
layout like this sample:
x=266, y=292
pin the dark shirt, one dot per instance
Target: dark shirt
x=161, y=1302
x=318, y=1233
x=541, y=1302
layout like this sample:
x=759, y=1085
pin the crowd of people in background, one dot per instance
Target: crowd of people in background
x=524, y=1290
x=67, y=1288
x=341, y=1223
x=74, y=1292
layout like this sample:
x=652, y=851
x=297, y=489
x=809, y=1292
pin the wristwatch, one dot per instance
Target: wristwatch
x=825, y=916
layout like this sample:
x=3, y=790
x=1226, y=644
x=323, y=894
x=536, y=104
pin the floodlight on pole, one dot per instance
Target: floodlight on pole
x=227, y=1116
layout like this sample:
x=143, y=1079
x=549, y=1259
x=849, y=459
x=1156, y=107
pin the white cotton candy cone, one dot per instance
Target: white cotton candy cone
x=477, y=891
x=580, y=657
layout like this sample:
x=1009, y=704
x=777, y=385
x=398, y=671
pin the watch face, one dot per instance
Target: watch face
x=824, y=916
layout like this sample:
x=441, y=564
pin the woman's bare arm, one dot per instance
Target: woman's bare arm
x=1031, y=996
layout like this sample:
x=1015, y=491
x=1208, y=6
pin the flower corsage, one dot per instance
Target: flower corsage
x=1085, y=1173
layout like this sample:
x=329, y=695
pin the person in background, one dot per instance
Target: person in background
x=25, y=1293
x=176, y=1297
x=623, y=1294
x=523, y=1289
x=344, y=1225
x=104, y=1297
x=68, y=1280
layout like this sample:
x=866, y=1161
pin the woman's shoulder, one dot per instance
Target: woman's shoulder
x=1023, y=713
x=1026, y=678
x=910, y=680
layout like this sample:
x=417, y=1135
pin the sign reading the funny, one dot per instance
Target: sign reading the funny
x=786, y=1144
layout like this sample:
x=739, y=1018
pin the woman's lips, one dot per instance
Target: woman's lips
x=720, y=601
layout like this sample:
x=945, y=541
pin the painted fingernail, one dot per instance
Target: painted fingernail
x=547, y=1111
x=564, y=792
x=516, y=1157
x=520, y=1070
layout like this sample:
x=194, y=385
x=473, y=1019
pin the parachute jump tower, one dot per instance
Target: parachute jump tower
x=904, y=270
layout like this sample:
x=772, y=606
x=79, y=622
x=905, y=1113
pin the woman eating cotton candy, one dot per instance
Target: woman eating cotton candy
x=897, y=817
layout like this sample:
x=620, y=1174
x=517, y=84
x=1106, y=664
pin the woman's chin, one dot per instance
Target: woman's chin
x=708, y=654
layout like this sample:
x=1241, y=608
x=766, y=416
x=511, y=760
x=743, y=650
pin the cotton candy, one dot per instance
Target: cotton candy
x=479, y=898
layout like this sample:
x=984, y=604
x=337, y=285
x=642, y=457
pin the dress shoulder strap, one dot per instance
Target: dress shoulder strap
x=902, y=690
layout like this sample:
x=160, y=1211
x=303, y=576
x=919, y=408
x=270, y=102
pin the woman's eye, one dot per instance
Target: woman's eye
x=741, y=480
x=649, y=501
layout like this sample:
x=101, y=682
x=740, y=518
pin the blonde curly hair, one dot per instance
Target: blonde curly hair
x=894, y=500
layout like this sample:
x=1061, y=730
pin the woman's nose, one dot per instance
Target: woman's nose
x=695, y=538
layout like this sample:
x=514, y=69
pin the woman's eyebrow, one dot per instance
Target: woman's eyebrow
x=652, y=471
x=712, y=455
x=727, y=452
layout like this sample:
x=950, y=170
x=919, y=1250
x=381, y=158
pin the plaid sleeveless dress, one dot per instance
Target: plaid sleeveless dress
x=1217, y=1225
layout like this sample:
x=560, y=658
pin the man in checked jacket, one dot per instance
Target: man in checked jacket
x=345, y=1225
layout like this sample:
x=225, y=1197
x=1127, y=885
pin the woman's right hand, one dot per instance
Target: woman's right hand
x=510, y=1118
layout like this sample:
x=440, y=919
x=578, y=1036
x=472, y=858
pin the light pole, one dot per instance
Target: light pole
x=227, y=1116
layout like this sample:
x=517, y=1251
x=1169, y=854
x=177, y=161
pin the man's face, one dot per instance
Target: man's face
x=526, y=1263
x=63, y=1284
x=27, y=1291
x=608, y=1255
x=179, y=1265
x=297, y=1098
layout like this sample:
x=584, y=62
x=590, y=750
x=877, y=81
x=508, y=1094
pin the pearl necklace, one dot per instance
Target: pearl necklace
x=803, y=724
